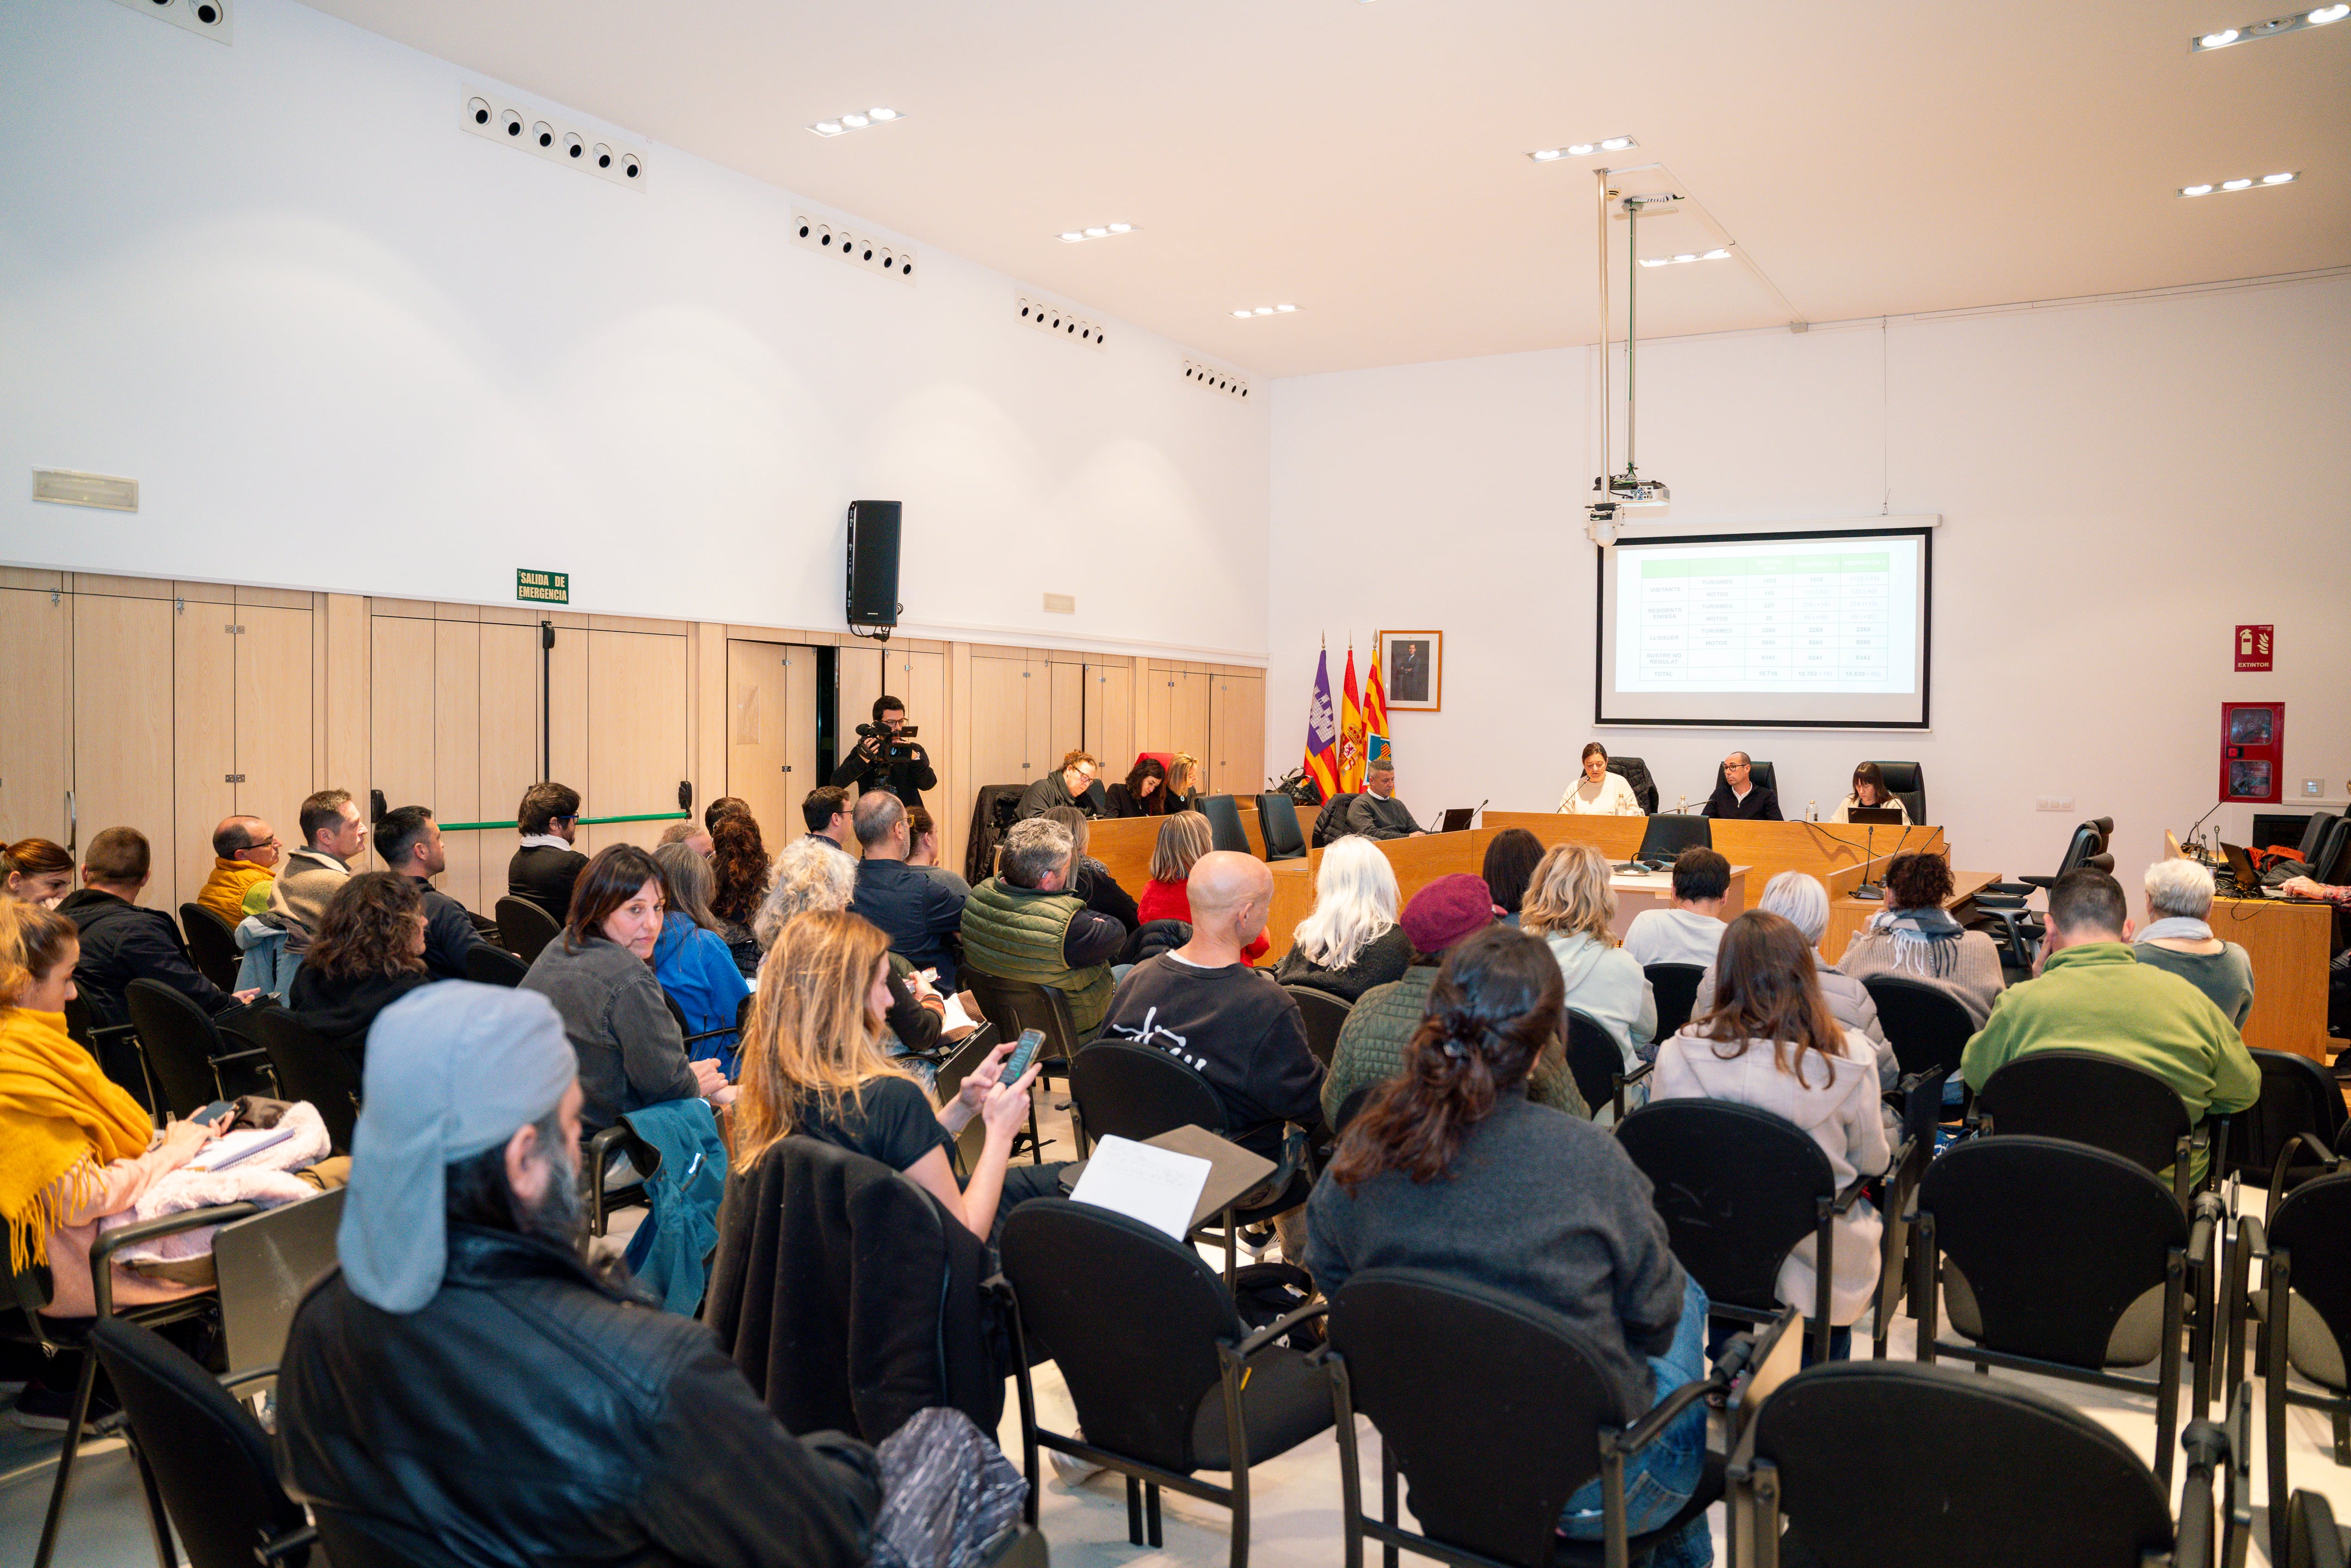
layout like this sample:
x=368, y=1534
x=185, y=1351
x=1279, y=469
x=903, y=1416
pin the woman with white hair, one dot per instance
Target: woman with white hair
x=1352, y=941
x=1803, y=902
x=810, y=875
x=2178, y=938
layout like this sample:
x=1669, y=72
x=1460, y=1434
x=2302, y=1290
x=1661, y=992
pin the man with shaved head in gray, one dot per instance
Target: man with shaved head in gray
x=1232, y=1024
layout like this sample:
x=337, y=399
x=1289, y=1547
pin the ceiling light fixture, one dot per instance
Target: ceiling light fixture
x=1094, y=231
x=1581, y=149
x=1720, y=252
x=1256, y=310
x=2276, y=26
x=2283, y=177
x=849, y=122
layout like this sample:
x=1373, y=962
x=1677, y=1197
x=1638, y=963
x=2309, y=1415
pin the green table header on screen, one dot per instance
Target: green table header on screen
x=543, y=587
x=1765, y=566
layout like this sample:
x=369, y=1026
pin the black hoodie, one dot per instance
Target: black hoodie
x=121, y=943
x=342, y=1012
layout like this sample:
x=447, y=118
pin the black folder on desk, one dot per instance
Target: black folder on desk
x=1232, y=1169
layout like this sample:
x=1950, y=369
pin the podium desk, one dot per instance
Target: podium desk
x=1842, y=854
x=2289, y=945
x=1124, y=844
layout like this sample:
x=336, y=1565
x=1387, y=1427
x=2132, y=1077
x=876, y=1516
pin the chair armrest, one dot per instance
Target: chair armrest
x=102, y=1250
x=286, y=1545
x=112, y=1031
x=1637, y=1074
x=238, y=1379
x=2252, y=1239
x=1844, y=1201
x=2326, y=1158
x=237, y=1056
x=2210, y=1217
x=2038, y=881
x=1274, y=1331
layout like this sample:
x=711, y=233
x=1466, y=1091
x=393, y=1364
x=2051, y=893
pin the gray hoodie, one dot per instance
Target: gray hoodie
x=1608, y=983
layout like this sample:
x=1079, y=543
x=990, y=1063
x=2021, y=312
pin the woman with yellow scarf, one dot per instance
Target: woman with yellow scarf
x=74, y=1148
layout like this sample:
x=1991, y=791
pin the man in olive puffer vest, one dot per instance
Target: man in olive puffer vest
x=1019, y=924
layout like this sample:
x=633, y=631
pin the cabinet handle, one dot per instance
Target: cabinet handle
x=73, y=822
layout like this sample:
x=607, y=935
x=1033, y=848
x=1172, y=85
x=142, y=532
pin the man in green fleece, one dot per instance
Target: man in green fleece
x=2093, y=994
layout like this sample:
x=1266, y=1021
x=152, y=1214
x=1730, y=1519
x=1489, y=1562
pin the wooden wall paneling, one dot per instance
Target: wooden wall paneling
x=35, y=697
x=1109, y=715
x=347, y=641
x=457, y=759
x=1177, y=711
x=570, y=669
x=405, y=727
x=917, y=676
x=862, y=669
x=123, y=718
x=1004, y=750
x=1237, y=718
x=711, y=674
x=1065, y=702
x=637, y=746
x=276, y=750
x=771, y=707
x=506, y=760
x=203, y=674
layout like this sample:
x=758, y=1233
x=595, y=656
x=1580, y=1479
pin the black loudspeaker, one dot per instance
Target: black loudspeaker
x=874, y=563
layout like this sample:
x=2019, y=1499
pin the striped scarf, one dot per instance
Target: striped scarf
x=1926, y=941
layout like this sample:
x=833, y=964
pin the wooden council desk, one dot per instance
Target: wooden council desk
x=2289, y=945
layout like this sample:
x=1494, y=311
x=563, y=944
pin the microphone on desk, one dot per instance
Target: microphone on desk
x=1866, y=888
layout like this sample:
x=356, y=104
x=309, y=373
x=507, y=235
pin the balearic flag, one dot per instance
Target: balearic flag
x=1322, y=731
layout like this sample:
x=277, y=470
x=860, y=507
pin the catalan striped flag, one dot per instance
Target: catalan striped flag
x=1375, y=713
x=1350, y=732
x=1322, y=731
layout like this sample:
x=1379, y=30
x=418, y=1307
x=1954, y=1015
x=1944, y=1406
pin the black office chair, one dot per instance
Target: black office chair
x=488, y=965
x=1324, y=1016
x=2290, y=1134
x=115, y=1049
x=2092, y=1098
x=607, y=1191
x=1738, y=1189
x=186, y=1055
x=1927, y=1026
x=525, y=928
x=2062, y=1260
x=1277, y=816
x=2312, y=1539
x=1167, y=1379
x=1013, y=1006
x=1906, y=782
x=2315, y=835
x=1331, y=821
x=1635, y=772
x=1225, y=830
x=2001, y=904
x=1138, y=1091
x=206, y=1463
x=1666, y=837
x=1759, y=776
x=1868, y=1462
x=1596, y=1062
x=1519, y=1421
x=1676, y=986
x=307, y=1068
x=2304, y=1249
x=211, y=945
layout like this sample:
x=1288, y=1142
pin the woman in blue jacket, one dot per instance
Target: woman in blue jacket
x=692, y=960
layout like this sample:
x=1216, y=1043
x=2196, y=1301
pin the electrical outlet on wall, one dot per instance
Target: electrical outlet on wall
x=2313, y=787
x=2053, y=804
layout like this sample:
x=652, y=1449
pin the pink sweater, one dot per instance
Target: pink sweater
x=116, y=1187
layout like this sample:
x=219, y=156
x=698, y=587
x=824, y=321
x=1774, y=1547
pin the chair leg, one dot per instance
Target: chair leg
x=2342, y=1437
x=157, y=1519
x=1151, y=1513
x=2273, y=1376
x=1232, y=1249
x=1923, y=1287
x=1387, y=1502
x=1134, y=1511
x=83, y=1389
x=2166, y=1392
x=1350, y=1478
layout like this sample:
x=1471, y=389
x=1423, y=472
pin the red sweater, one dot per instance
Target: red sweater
x=1173, y=901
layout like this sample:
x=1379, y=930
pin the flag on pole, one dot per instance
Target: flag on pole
x=1321, y=731
x=1350, y=732
x=1375, y=714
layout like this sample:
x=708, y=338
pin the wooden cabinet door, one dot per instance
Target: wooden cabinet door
x=403, y=736
x=507, y=747
x=122, y=705
x=276, y=712
x=772, y=710
x=35, y=638
x=637, y=751
x=1010, y=739
x=456, y=760
x=1065, y=719
x=1109, y=716
x=1238, y=714
x=203, y=742
x=1178, y=714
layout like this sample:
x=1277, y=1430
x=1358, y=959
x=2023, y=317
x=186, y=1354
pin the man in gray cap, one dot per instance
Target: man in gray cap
x=465, y=1389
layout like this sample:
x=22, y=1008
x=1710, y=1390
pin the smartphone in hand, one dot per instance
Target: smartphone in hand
x=215, y=1113
x=1024, y=1054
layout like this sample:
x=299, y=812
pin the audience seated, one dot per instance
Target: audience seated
x=245, y=850
x=36, y=870
x=1751, y=1048
x=599, y=975
x=369, y=953
x=1571, y=907
x=1690, y=931
x=1450, y=1168
x=1091, y=881
x=1238, y=1029
x=725, y=806
x=923, y=853
x=1142, y=793
x=1375, y=1042
x=1914, y=937
x=1510, y=862
x=1600, y=793
x=1352, y=941
x=332, y=834
x=690, y=959
x=408, y=842
x=811, y=876
x=691, y=834
x=465, y=1388
x=265, y=963
x=1803, y=902
x=1182, y=839
x=2093, y=994
x=739, y=872
x=1869, y=790
x=2177, y=938
x=1377, y=813
x=74, y=1147
x=812, y=1065
x=1065, y=785
x=1182, y=783
x=826, y=813
x=1739, y=796
x=121, y=942
x=545, y=865
x=1024, y=923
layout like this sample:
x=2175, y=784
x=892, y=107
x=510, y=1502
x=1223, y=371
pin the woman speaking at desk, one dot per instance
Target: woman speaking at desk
x=1869, y=790
x=1600, y=793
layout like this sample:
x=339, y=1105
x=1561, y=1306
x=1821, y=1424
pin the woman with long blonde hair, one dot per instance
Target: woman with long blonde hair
x=812, y=1064
x=1571, y=907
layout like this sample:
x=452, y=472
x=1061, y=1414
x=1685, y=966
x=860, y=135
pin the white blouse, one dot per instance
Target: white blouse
x=1612, y=797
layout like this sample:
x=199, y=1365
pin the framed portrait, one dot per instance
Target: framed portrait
x=1412, y=668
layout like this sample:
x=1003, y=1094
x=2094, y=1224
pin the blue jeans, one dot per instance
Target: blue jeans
x=1661, y=1478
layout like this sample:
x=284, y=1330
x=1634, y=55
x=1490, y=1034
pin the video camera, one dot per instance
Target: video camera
x=893, y=741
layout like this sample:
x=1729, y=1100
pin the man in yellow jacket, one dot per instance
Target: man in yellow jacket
x=244, y=852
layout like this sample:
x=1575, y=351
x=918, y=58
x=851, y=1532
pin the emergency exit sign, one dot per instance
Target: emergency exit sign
x=542, y=587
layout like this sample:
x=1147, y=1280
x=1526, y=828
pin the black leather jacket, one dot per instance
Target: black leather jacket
x=531, y=1412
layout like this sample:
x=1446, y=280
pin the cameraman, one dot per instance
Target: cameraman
x=876, y=763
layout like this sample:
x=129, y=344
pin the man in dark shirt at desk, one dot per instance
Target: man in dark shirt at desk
x=1739, y=796
x=1377, y=813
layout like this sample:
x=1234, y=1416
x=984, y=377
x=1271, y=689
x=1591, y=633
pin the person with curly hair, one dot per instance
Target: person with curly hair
x=369, y=953
x=739, y=871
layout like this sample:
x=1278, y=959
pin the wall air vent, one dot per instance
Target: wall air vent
x=500, y=117
x=1214, y=379
x=863, y=252
x=67, y=488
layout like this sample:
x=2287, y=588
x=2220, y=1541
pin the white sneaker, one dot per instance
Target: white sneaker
x=1071, y=1470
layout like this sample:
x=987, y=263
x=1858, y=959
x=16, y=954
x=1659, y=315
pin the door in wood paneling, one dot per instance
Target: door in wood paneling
x=400, y=740
x=203, y=742
x=919, y=679
x=1178, y=713
x=1236, y=713
x=772, y=710
x=457, y=757
x=509, y=742
x=637, y=749
x=1065, y=723
x=1007, y=745
x=36, y=687
x=122, y=728
x=862, y=673
x=1109, y=716
x=276, y=711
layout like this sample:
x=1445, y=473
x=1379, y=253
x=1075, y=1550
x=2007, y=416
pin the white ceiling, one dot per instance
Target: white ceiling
x=1367, y=161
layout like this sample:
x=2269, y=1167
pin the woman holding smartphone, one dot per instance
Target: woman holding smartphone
x=812, y=1064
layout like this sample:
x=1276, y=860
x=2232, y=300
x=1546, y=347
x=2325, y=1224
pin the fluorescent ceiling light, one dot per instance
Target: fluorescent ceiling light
x=2276, y=26
x=1581, y=149
x=2283, y=177
x=846, y=123
x=1096, y=231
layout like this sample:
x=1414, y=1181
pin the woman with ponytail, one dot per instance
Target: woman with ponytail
x=1450, y=1168
x=73, y=1145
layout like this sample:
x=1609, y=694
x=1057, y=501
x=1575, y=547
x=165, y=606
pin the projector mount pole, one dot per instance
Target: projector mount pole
x=1607, y=453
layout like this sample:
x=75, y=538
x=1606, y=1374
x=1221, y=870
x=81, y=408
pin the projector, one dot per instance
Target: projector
x=1626, y=493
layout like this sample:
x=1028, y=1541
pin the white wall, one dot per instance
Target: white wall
x=342, y=344
x=2121, y=482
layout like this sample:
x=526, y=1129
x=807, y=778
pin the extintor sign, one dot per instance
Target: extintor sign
x=2257, y=647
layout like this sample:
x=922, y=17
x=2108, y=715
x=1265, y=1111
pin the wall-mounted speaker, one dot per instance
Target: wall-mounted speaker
x=874, y=563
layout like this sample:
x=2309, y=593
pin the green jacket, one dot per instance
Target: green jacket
x=1378, y=1028
x=1018, y=934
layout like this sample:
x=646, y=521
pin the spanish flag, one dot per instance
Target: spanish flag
x=1375, y=714
x=1350, y=732
x=1321, y=731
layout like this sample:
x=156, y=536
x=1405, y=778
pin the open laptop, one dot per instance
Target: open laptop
x=2248, y=877
x=1455, y=819
x=1881, y=816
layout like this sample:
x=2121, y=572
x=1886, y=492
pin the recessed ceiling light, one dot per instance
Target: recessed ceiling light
x=2195, y=190
x=855, y=121
x=2276, y=26
x=2234, y=184
x=883, y=113
x=1581, y=149
x=1244, y=315
x=1121, y=228
x=2285, y=177
x=1256, y=310
x=827, y=128
x=1617, y=144
x=1285, y=308
x=1547, y=154
x=1096, y=231
x=849, y=122
x=1263, y=310
x=1071, y=236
